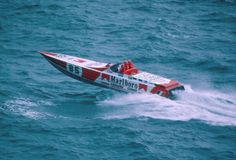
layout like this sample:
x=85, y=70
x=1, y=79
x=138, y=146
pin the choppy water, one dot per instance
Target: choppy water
x=46, y=115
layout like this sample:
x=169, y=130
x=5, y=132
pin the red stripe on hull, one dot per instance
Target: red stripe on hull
x=160, y=88
x=90, y=74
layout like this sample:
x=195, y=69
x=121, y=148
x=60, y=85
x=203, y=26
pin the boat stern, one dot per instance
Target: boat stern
x=172, y=87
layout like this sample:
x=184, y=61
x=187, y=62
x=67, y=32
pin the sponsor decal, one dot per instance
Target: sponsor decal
x=105, y=77
x=123, y=83
x=142, y=86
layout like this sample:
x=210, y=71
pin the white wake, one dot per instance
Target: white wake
x=208, y=106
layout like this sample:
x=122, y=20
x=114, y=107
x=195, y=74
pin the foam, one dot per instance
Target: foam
x=208, y=106
x=27, y=108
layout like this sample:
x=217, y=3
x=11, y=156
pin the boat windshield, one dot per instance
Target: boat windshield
x=115, y=67
x=126, y=67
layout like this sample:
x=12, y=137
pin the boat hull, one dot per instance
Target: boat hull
x=99, y=74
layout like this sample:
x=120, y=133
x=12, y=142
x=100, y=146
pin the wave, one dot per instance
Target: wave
x=208, y=106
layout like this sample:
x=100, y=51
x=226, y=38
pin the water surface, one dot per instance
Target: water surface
x=46, y=115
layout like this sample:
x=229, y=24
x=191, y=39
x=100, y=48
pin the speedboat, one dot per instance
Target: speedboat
x=121, y=76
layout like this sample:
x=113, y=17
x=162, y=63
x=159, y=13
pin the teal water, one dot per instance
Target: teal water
x=47, y=115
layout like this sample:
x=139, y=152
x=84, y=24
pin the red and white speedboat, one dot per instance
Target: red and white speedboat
x=120, y=76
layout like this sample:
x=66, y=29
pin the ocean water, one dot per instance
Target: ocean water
x=47, y=115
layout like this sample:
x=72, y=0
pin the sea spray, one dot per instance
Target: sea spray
x=208, y=106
